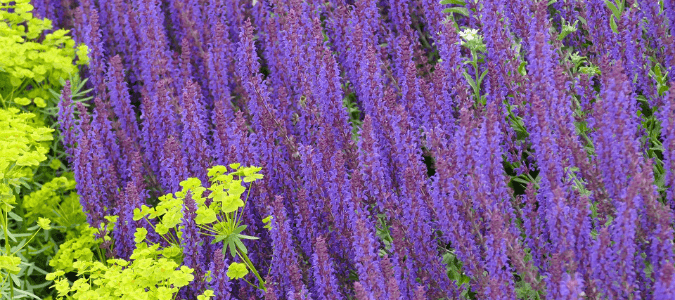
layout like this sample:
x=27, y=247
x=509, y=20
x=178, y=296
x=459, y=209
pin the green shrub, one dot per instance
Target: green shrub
x=33, y=61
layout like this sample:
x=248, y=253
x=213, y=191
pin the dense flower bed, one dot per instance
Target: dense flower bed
x=410, y=149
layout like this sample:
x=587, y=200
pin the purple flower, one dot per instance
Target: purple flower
x=125, y=228
x=220, y=283
x=195, y=138
x=284, y=266
x=120, y=99
x=192, y=245
x=326, y=285
x=174, y=166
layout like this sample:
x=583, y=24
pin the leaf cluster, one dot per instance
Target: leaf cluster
x=22, y=149
x=33, y=60
x=147, y=275
x=219, y=213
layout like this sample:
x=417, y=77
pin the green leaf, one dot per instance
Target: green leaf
x=457, y=10
x=208, y=294
x=253, y=177
x=612, y=24
x=219, y=238
x=456, y=2
x=469, y=79
x=241, y=246
x=239, y=229
x=232, y=203
x=22, y=101
x=216, y=170
x=247, y=237
x=615, y=10
x=161, y=229
x=482, y=76
x=172, y=251
x=232, y=246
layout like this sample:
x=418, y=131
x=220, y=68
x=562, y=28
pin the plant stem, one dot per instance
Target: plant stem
x=248, y=262
x=477, y=82
x=24, y=245
x=8, y=249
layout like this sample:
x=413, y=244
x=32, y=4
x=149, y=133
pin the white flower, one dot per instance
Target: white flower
x=472, y=40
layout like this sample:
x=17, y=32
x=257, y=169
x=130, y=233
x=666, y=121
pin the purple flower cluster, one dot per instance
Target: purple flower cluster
x=540, y=184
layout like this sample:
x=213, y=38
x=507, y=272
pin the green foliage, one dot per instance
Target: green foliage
x=473, y=41
x=80, y=246
x=30, y=57
x=222, y=217
x=453, y=267
x=22, y=148
x=57, y=201
x=153, y=271
x=147, y=275
x=350, y=103
x=34, y=64
x=451, y=11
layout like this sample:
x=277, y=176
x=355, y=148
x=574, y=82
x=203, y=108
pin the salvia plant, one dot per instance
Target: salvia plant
x=411, y=149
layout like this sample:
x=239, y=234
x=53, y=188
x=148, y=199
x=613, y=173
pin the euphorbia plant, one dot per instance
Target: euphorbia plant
x=22, y=148
x=220, y=214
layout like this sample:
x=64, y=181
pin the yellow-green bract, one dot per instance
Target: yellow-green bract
x=222, y=217
x=22, y=148
x=29, y=56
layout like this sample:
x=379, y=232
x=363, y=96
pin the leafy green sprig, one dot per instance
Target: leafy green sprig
x=220, y=214
x=473, y=41
x=21, y=151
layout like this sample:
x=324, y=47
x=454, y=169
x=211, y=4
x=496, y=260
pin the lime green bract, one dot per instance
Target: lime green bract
x=31, y=57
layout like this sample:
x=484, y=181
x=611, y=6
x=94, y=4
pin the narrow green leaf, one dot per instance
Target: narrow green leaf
x=239, y=229
x=612, y=24
x=241, y=246
x=615, y=10
x=247, y=237
x=458, y=10
x=218, y=238
x=456, y=2
x=482, y=76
